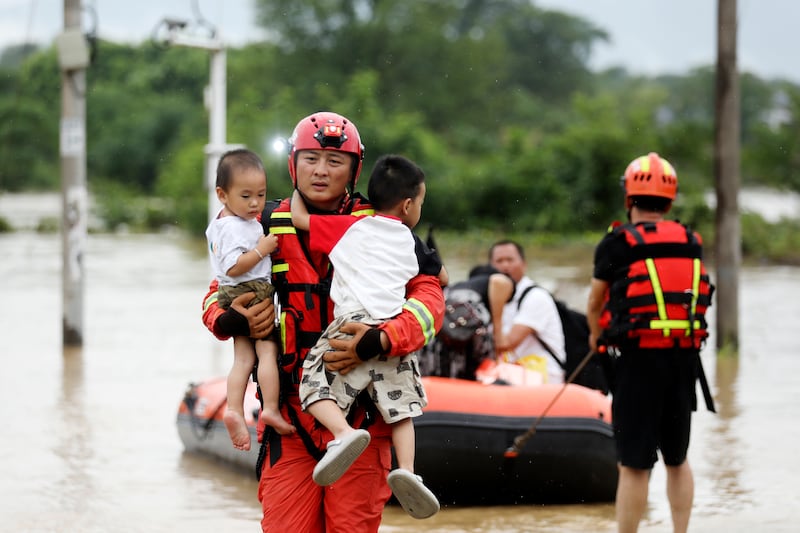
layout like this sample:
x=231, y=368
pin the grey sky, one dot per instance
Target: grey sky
x=671, y=36
x=647, y=36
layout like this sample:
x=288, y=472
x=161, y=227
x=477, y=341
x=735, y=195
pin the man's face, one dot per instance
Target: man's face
x=506, y=259
x=323, y=176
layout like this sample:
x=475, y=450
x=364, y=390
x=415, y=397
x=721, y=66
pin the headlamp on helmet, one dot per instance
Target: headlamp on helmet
x=330, y=135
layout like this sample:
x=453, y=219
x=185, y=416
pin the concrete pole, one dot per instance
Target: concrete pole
x=217, y=105
x=216, y=101
x=727, y=178
x=73, y=174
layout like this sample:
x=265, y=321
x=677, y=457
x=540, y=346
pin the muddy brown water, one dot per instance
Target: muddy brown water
x=90, y=445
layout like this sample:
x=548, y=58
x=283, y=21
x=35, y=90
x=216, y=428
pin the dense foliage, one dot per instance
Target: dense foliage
x=493, y=98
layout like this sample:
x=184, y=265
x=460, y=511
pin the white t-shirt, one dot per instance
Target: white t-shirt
x=228, y=238
x=537, y=311
x=373, y=257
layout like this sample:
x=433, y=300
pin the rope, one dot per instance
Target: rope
x=520, y=440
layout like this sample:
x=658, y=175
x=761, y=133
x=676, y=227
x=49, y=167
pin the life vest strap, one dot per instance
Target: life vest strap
x=667, y=325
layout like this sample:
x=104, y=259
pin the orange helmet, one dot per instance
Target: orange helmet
x=650, y=175
x=326, y=131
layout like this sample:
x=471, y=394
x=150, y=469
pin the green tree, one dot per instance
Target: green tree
x=773, y=158
x=13, y=56
x=29, y=110
x=493, y=98
x=440, y=58
x=140, y=102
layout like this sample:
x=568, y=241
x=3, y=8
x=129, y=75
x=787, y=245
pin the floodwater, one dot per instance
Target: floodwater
x=90, y=444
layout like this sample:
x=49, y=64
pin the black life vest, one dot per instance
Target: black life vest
x=660, y=298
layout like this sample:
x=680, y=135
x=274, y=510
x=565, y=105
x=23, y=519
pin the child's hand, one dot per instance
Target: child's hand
x=267, y=244
x=296, y=197
x=300, y=217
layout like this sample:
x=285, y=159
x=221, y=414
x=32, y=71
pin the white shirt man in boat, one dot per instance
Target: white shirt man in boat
x=527, y=321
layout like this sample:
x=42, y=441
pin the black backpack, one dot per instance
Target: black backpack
x=576, y=346
x=465, y=316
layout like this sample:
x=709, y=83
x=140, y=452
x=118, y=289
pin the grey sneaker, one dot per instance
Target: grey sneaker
x=415, y=498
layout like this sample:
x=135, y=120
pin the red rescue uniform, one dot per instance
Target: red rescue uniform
x=290, y=499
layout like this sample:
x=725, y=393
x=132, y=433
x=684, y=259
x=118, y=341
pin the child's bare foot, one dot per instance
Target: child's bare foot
x=237, y=429
x=276, y=421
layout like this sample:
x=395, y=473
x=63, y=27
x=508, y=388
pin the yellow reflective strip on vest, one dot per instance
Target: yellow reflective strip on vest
x=695, y=288
x=282, y=230
x=363, y=212
x=212, y=299
x=283, y=332
x=666, y=325
x=280, y=267
x=423, y=316
x=658, y=292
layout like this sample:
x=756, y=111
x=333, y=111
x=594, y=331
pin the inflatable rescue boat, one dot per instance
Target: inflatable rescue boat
x=464, y=438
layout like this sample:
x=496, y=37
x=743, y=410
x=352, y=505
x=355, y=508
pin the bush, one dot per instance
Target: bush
x=771, y=243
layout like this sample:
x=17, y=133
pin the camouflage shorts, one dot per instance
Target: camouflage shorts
x=227, y=293
x=394, y=383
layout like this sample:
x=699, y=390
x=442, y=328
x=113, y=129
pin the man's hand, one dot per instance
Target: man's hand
x=343, y=358
x=260, y=317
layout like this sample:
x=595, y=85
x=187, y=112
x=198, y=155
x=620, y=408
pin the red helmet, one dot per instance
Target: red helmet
x=650, y=175
x=326, y=131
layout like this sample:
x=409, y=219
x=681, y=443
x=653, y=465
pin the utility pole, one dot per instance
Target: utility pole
x=215, y=100
x=73, y=58
x=727, y=178
x=217, y=104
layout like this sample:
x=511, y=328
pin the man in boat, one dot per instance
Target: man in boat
x=531, y=323
x=325, y=160
x=647, y=302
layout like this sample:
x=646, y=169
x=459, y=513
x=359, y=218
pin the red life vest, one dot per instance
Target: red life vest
x=660, y=299
x=303, y=281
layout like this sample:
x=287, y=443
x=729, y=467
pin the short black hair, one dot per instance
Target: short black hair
x=238, y=159
x=503, y=242
x=394, y=178
x=482, y=270
x=657, y=204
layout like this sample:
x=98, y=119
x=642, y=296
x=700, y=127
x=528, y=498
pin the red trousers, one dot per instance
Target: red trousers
x=292, y=502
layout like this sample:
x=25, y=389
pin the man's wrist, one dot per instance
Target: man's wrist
x=370, y=345
x=233, y=324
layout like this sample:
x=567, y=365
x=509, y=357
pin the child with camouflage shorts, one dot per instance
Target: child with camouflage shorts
x=373, y=257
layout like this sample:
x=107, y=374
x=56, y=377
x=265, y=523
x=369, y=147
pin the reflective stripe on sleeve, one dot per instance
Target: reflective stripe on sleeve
x=210, y=300
x=423, y=316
